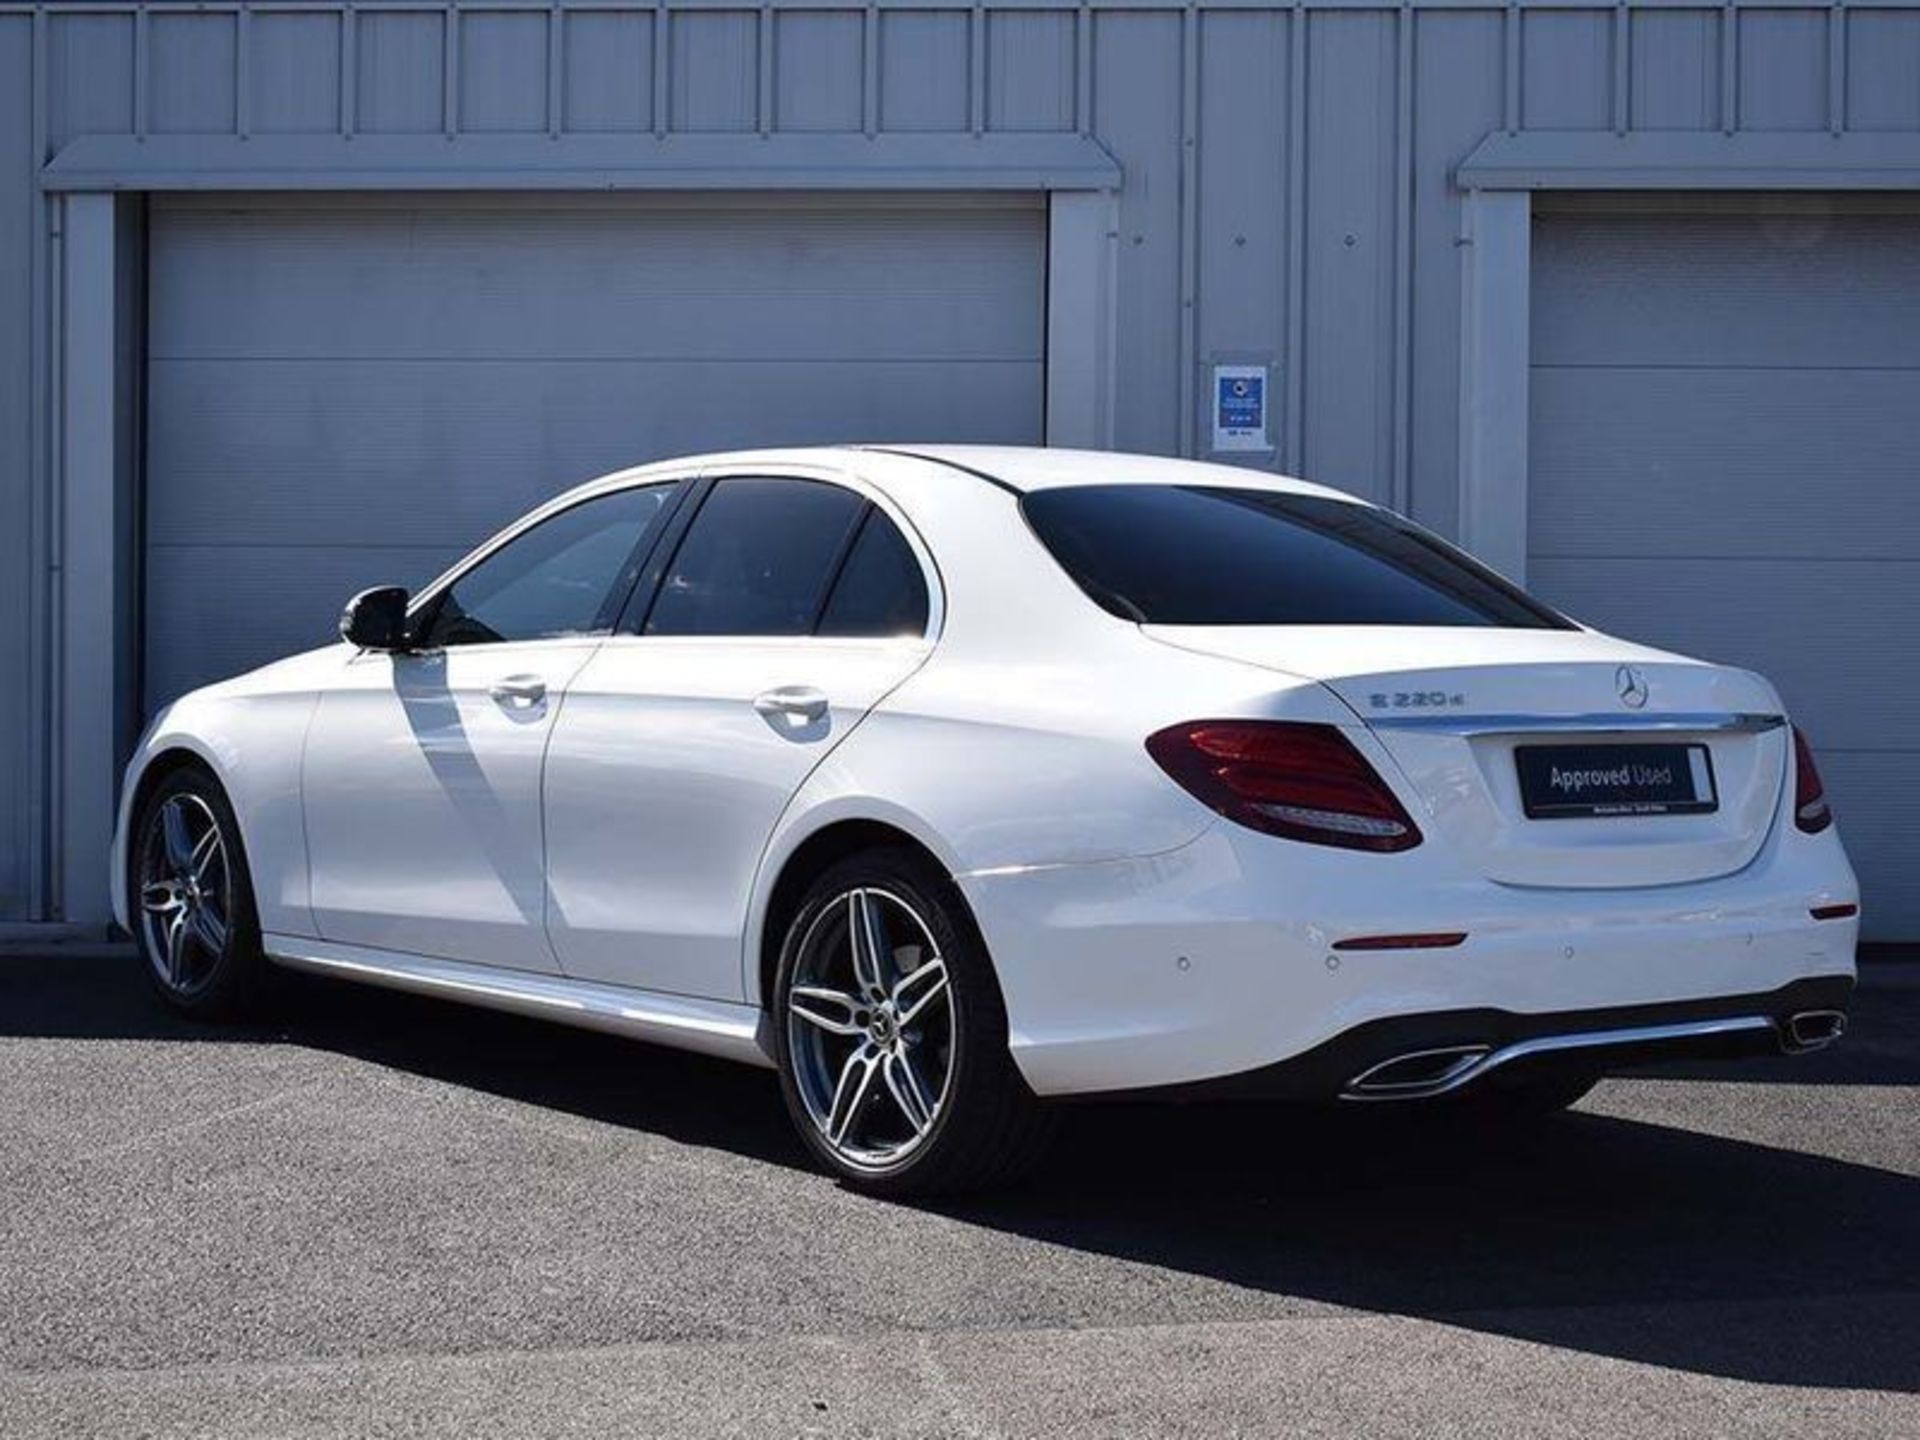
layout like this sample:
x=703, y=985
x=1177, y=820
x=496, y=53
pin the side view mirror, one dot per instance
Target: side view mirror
x=376, y=619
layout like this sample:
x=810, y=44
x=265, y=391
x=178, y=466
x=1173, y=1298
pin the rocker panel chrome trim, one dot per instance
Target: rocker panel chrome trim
x=711, y=1027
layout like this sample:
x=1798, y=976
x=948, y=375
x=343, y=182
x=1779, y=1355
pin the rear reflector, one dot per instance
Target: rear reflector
x=1439, y=940
x=1834, y=912
x=1810, y=809
x=1303, y=782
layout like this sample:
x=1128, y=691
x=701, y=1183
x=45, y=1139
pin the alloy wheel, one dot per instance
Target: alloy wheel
x=185, y=893
x=871, y=1028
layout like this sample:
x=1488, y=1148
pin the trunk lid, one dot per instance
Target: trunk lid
x=1452, y=706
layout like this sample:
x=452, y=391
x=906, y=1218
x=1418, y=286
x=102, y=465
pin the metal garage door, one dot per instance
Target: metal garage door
x=348, y=392
x=1725, y=451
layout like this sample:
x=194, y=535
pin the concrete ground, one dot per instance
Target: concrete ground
x=390, y=1216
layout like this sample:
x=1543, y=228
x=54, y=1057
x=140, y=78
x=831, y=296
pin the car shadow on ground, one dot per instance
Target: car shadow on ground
x=1610, y=1236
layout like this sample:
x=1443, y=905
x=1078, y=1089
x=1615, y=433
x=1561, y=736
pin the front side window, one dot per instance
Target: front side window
x=565, y=576
x=1217, y=555
x=757, y=559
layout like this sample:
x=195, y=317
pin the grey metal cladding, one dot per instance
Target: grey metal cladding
x=293, y=77
x=19, y=512
x=607, y=70
x=400, y=72
x=1676, y=70
x=924, y=68
x=1882, y=59
x=1566, y=69
x=504, y=71
x=820, y=70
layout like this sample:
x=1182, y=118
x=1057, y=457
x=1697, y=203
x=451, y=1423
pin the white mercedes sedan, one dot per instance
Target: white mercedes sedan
x=950, y=781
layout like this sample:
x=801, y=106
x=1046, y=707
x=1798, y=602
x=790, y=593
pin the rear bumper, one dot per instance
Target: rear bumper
x=1423, y=1057
x=1220, y=959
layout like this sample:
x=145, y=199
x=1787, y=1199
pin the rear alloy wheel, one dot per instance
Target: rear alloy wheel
x=192, y=898
x=892, y=1035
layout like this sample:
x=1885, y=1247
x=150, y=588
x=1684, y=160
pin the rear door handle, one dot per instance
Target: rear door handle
x=793, y=702
x=519, y=692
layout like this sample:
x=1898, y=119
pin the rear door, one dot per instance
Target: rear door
x=421, y=777
x=784, y=612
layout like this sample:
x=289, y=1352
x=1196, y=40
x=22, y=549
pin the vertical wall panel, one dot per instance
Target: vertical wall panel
x=400, y=75
x=1883, y=69
x=294, y=79
x=1348, y=418
x=503, y=70
x=819, y=71
x=18, y=205
x=1458, y=86
x=1030, y=65
x=1676, y=70
x=1136, y=113
x=1243, y=198
x=1783, y=70
x=191, y=74
x=91, y=87
x=608, y=70
x=716, y=70
x=924, y=70
x=1566, y=80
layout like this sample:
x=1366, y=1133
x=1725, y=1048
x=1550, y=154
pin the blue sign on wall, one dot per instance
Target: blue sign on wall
x=1240, y=407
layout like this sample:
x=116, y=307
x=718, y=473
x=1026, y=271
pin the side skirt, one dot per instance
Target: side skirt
x=713, y=1027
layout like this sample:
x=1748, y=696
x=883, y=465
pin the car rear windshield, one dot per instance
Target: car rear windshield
x=1216, y=555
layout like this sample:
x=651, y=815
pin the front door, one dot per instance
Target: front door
x=790, y=608
x=422, y=772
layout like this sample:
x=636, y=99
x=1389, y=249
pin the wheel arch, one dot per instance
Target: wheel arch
x=803, y=856
x=150, y=767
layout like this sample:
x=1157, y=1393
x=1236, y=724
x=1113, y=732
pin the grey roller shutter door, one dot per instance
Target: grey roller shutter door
x=1725, y=459
x=346, y=392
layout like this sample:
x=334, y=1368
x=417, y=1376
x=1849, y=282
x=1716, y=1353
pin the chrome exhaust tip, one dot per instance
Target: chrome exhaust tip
x=1418, y=1073
x=1812, y=1030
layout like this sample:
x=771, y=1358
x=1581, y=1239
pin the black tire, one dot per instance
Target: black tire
x=986, y=1127
x=199, y=977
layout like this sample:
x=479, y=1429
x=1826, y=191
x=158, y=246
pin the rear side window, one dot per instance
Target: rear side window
x=881, y=591
x=1216, y=555
x=757, y=559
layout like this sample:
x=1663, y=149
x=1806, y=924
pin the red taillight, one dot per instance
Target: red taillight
x=1305, y=782
x=1810, y=810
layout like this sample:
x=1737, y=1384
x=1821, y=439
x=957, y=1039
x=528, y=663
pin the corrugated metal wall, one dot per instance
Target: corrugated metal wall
x=20, y=620
x=1287, y=169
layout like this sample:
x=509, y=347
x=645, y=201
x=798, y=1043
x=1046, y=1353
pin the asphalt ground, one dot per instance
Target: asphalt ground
x=386, y=1215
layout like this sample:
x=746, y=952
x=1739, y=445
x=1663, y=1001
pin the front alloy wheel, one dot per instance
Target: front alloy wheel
x=192, y=898
x=186, y=893
x=892, y=1035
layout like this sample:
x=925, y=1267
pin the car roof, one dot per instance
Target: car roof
x=1027, y=468
x=1022, y=469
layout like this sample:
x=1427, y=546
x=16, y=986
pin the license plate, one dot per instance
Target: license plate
x=1560, y=782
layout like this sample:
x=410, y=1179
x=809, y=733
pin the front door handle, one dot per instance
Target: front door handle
x=800, y=703
x=519, y=692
